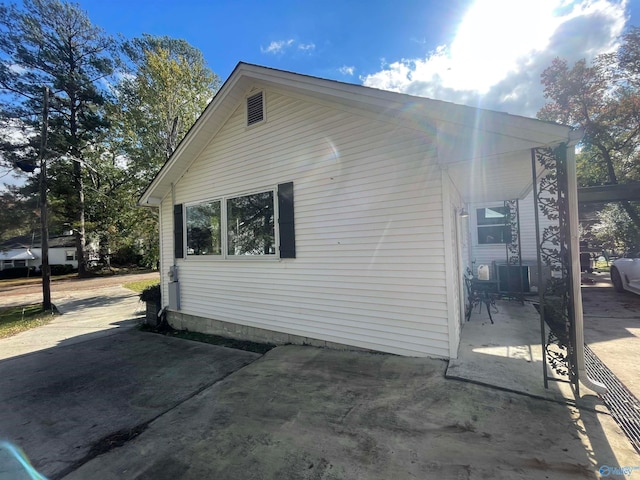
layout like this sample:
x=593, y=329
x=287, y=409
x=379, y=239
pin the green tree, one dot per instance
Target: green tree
x=52, y=43
x=603, y=98
x=17, y=213
x=614, y=231
x=165, y=87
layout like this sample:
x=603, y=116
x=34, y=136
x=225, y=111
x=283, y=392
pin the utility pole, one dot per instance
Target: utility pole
x=44, y=221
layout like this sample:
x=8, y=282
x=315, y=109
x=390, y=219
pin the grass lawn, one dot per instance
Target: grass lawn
x=14, y=320
x=140, y=285
x=601, y=266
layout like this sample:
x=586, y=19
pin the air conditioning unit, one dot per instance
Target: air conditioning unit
x=513, y=278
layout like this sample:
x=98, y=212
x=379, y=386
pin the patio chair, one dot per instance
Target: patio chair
x=479, y=292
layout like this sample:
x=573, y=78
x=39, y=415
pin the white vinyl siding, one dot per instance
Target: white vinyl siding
x=370, y=267
x=452, y=202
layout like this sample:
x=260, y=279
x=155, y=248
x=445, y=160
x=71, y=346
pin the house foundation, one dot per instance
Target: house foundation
x=194, y=323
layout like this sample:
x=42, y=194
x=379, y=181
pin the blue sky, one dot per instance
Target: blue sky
x=317, y=37
x=488, y=53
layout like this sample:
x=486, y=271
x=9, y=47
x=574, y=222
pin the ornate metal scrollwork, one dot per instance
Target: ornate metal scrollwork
x=556, y=307
x=513, y=221
x=513, y=250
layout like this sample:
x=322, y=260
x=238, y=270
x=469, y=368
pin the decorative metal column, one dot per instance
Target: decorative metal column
x=557, y=319
x=513, y=248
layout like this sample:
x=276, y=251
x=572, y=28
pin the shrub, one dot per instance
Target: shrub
x=18, y=272
x=59, y=269
x=126, y=256
x=151, y=294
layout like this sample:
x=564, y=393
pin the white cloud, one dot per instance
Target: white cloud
x=280, y=46
x=277, y=46
x=501, y=48
x=347, y=70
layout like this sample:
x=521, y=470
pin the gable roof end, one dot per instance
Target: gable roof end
x=387, y=105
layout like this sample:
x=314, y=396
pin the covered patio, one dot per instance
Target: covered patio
x=519, y=186
x=508, y=355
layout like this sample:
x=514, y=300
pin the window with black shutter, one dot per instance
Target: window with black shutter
x=178, y=237
x=286, y=221
x=238, y=226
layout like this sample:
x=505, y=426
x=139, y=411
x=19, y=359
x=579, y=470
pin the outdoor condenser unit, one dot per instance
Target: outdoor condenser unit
x=513, y=278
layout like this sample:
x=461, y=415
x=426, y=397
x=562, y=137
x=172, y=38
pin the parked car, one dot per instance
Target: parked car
x=625, y=273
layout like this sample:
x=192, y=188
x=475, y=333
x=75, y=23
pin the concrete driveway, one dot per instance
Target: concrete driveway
x=137, y=405
x=62, y=405
x=309, y=413
x=612, y=329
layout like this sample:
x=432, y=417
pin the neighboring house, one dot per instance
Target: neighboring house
x=305, y=210
x=26, y=251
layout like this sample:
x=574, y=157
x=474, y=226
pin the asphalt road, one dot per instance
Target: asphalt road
x=20, y=294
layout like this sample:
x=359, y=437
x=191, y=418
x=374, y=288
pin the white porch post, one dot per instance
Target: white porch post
x=572, y=197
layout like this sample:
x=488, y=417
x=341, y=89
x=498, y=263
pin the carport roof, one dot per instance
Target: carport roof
x=464, y=134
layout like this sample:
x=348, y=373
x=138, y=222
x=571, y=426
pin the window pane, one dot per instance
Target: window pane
x=492, y=216
x=250, y=225
x=494, y=234
x=203, y=229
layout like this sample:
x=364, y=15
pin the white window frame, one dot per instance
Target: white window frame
x=222, y=229
x=224, y=256
x=477, y=226
x=73, y=258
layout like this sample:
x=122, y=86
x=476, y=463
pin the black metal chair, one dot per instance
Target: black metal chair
x=479, y=292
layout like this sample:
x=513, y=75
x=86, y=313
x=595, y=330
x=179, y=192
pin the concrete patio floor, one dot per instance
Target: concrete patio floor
x=508, y=355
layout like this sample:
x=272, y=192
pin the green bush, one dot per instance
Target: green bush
x=126, y=256
x=58, y=269
x=151, y=294
x=18, y=272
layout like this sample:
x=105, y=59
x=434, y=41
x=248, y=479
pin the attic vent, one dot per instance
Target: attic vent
x=255, y=109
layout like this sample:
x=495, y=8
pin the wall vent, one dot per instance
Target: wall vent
x=255, y=109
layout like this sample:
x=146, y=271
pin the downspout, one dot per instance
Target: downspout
x=572, y=187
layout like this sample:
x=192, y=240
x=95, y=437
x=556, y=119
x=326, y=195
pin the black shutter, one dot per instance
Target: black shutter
x=178, y=232
x=285, y=221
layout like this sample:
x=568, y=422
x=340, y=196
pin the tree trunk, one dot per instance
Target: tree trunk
x=78, y=183
x=80, y=232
